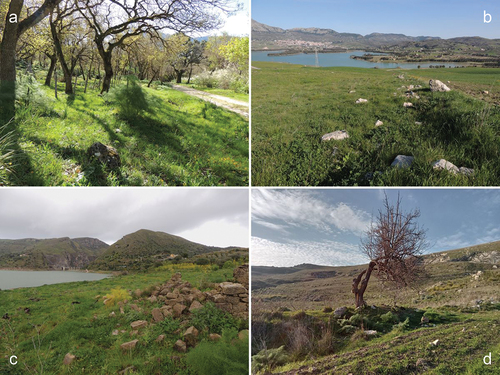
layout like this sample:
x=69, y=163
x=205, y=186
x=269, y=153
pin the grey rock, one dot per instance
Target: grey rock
x=443, y=164
x=336, y=135
x=402, y=161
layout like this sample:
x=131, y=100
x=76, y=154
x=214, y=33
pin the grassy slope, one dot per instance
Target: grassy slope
x=450, y=289
x=180, y=140
x=293, y=106
x=57, y=327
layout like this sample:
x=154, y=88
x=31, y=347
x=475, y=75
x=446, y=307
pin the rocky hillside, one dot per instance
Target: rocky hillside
x=145, y=248
x=52, y=253
x=457, y=277
x=262, y=34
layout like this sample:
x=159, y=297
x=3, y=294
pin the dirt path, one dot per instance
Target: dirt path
x=230, y=104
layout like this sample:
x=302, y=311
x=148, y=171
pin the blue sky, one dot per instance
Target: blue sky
x=324, y=226
x=443, y=18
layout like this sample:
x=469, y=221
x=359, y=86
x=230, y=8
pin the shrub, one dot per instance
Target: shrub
x=403, y=326
x=267, y=359
x=116, y=296
x=202, y=261
x=433, y=315
x=130, y=98
x=389, y=317
x=213, y=318
x=227, y=356
x=348, y=330
x=29, y=93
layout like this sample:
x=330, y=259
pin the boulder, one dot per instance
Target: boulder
x=407, y=104
x=190, y=336
x=178, y=309
x=157, y=315
x=361, y=100
x=379, y=123
x=214, y=337
x=370, y=332
x=68, y=359
x=152, y=299
x=466, y=171
x=336, y=135
x=437, y=86
x=180, y=346
x=134, y=307
x=138, y=324
x=231, y=289
x=402, y=161
x=443, y=164
x=340, y=311
x=104, y=154
x=195, y=306
x=160, y=338
x=129, y=345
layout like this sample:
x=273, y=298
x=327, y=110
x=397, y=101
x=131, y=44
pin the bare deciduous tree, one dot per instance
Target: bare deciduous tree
x=393, y=244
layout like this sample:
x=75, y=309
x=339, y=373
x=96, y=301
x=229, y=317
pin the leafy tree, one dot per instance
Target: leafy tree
x=184, y=54
x=237, y=53
x=393, y=244
x=215, y=57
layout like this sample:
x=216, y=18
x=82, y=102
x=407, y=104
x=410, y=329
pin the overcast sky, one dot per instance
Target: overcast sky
x=443, y=18
x=215, y=217
x=325, y=226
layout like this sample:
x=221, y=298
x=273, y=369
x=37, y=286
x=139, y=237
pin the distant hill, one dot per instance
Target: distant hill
x=452, y=277
x=145, y=248
x=264, y=34
x=52, y=253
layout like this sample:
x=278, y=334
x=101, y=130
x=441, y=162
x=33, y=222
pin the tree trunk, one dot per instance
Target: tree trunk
x=190, y=72
x=108, y=68
x=53, y=61
x=8, y=62
x=360, y=283
x=179, y=74
x=66, y=70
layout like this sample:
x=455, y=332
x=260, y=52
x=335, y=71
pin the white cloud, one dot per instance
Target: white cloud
x=452, y=242
x=327, y=253
x=298, y=208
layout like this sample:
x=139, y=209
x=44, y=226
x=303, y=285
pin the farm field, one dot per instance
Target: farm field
x=294, y=106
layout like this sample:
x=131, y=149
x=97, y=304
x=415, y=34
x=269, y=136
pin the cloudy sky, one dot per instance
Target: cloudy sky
x=216, y=217
x=443, y=18
x=324, y=226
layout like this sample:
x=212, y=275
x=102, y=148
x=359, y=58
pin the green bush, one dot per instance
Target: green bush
x=130, y=98
x=269, y=358
x=356, y=320
x=389, y=317
x=6, y=153
x=29, y=93
x=227, y=356
x=403, y=326
x=213, y=318
x=433, y=315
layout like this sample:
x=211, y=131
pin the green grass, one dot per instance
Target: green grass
x=464, y=339
x=293, y=106
x=176, y=140
x=56, y=326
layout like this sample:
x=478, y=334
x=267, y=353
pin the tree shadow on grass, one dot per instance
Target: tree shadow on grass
x=96, y=173
x=22, y=172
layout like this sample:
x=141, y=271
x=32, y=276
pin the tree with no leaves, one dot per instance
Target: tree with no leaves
x=393, y=244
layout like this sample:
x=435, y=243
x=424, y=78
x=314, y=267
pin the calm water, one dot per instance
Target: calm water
x=22, y=279
x=336, y=59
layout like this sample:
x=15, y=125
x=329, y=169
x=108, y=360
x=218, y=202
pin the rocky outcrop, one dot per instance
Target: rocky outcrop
x=240, y=275
x=402, y=161
x=104, y=154
x=437, y=86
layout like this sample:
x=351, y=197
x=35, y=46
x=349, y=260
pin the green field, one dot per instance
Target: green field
x=164, y=138
x=72, y=318
x=293, y=106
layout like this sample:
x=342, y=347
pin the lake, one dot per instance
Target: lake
x=22, y=279
x=336, y=59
